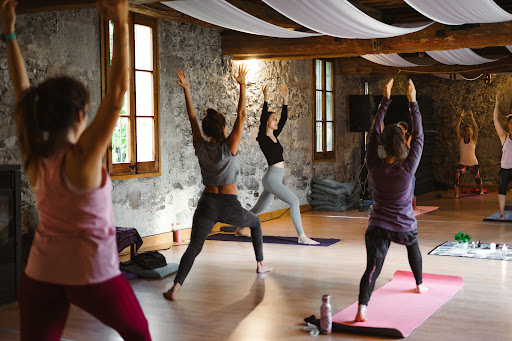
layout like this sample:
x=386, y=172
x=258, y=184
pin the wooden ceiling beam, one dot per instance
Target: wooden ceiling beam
x=35, y=6
x=435, y=37
x=361, y=66
x=160, y=11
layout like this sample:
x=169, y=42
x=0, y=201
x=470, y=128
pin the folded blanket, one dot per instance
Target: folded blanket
x=317, y=196
x=339, y=208
x=349, y=186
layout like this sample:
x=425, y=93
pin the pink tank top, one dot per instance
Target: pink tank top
x=75, y=242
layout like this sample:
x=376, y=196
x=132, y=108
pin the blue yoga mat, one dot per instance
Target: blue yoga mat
x=495, y=216
x=228, y=237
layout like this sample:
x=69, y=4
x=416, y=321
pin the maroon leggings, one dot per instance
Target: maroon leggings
x=44, y=308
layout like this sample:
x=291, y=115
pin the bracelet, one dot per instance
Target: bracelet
x=8, y=37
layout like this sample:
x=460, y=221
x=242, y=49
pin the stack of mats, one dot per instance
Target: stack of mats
x=330, y=195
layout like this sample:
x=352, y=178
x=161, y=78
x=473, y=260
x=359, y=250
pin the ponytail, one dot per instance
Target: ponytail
x=45, y=112
x=393, y=141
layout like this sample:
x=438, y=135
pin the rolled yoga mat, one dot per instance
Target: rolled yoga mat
x=228, y=237
x=395, y=309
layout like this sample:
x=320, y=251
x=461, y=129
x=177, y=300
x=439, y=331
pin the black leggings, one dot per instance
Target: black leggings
x=377, y=245
x=213, y=208
x=505, y=178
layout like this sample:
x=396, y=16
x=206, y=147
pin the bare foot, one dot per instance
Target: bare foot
x=482, y=192
x=502, y=216
x=361, y=313
x=241, y=233
x=171, y=293
x=260, y=268
x=420, y=289
x=303, y=239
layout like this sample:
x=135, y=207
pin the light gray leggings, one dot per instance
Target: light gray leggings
x=273, y=186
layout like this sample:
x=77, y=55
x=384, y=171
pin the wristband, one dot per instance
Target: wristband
x=8, y=37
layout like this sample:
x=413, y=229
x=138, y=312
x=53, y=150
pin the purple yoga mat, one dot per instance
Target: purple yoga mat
x=228, y=237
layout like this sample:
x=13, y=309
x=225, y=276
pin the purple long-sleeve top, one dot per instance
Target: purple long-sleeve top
x=392, y=206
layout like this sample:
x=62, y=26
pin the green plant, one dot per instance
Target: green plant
x=462, y=237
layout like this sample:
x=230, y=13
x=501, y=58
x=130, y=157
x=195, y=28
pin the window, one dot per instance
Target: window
x=135, y=149
x=323, y=99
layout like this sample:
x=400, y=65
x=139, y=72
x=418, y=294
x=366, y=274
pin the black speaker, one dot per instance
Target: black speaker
x=359, y=110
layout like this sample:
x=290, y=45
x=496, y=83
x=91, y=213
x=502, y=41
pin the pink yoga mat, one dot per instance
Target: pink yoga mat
x=395, y=310
x=424, y=209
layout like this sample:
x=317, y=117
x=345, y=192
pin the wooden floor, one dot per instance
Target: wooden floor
x=224, y=299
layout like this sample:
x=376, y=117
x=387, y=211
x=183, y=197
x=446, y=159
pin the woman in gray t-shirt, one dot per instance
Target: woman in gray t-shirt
x=220, y=170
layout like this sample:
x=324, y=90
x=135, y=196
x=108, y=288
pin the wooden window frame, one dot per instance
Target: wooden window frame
x=134, y=169
x=324, y=155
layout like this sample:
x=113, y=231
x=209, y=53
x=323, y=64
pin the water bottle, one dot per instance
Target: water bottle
x=325, y=315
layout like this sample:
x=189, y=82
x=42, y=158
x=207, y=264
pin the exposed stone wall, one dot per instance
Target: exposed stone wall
x=67, y=42
x=154, y=204
x=450, y=97
x=52, y=44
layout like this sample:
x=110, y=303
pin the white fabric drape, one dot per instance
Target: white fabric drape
x=391, y=59
x=458, y=57
x=223, y=14
x=458, y=12
x=338, y=18
x=509, y=47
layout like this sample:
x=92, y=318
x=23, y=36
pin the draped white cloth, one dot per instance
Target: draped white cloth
x=391, y=59
x=338, y=18
x=509, y=47
x=458, y=57
x=223, y=14
x=458, y=12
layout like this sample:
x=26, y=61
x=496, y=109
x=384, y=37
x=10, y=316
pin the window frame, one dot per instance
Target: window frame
x=133, y=169
x=324, y=155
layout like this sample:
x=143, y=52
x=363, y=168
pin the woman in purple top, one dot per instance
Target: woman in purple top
x=392, y=217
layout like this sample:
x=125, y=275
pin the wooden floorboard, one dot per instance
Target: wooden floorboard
x=224, y=299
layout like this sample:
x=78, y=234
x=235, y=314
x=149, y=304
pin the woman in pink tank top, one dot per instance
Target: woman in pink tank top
x=73, y=259
x=467, y=147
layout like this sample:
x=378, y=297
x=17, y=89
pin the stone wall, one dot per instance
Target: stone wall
x=52, y=44
x=450, y=98
x=154, y=204
x=67, y=42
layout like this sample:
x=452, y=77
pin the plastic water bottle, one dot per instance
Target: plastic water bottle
x=325, y=315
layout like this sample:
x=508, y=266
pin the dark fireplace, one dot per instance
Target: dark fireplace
x=10, y=232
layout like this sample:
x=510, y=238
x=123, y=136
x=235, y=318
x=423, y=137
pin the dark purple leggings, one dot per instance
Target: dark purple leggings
x=377, y=242
x=44, y=308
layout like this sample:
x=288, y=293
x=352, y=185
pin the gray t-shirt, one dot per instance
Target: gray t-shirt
x=219, y=167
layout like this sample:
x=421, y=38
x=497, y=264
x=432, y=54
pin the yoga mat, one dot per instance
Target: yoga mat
x=131, y=267
x=228, y=237
x=472, y=196
x=495, y=216
x=395, y=310
x=424, y=209
x=483, y=252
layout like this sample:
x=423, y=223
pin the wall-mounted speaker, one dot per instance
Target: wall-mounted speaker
x=359, y=110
